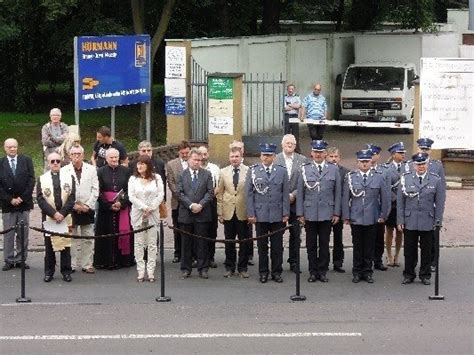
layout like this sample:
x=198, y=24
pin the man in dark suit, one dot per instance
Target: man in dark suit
x=334, y=157
x=145, y=148
x=292, y=161
x=195, y=192
x=17, y=180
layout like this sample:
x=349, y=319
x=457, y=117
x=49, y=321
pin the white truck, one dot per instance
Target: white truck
x=378, y=87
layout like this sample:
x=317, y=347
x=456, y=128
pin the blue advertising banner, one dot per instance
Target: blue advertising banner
x=111, y=71
x=175, y=105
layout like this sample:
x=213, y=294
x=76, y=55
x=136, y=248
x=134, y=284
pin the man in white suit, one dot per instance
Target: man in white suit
x=232, y=212
x=87, y=191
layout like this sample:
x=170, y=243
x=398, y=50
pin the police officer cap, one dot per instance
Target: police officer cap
x=420, y=158
x=425, y=143
x=267, y=148
x=365, y=154
x=397, y=147
x=374, y=148
x=318, y=145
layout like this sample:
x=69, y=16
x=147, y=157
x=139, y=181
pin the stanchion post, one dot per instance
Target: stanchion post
x=436, y=296
x=162, y=297
x=298, y=296
x=22, y=298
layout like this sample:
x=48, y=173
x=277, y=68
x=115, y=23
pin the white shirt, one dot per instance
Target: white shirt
x=215, y=172
x=184, y=164
x=289, y=163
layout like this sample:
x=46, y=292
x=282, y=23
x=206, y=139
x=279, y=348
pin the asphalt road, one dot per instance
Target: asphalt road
x=109, y=312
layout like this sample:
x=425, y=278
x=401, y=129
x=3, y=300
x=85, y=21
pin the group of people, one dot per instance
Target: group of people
x=113, y=196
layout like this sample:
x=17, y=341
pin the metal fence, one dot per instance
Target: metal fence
x=199, y=114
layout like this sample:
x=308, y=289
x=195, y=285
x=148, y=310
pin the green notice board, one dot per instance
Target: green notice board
x=220, y=88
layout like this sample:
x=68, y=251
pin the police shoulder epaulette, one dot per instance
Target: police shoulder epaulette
x=281, y=166
x=253, y=166
x=377, y=171
x=406, y=173
x=307, y=163
x=352, y=172
x=432, y=173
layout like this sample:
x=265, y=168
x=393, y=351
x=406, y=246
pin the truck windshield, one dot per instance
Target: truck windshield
x=374, y=78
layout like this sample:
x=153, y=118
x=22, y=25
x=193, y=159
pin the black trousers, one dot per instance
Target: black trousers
x=295, y=234
x=292, y=128
x=201, y=246
x=213, y=229
x=316, y=131
x=338, y=246
x=50, y=259
x=317, y=245
x=379, y=243
x=276, y=244
x=410, y=251
x=232, y=229
x=176, y=235
x=363, y=241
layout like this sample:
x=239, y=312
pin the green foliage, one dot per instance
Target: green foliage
x=413, y=14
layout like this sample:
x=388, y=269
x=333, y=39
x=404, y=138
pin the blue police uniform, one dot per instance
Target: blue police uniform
x=318, y=200
x=268, y=201
x=420, y=209
x=365, y=200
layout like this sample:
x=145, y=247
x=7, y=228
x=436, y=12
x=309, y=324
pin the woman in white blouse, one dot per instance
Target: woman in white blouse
x=145, y=191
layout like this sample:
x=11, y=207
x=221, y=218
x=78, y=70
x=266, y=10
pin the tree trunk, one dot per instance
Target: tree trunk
x=223, y=18
x=270, y=16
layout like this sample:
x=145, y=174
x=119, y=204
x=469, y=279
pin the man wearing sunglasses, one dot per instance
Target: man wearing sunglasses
x=56, y=195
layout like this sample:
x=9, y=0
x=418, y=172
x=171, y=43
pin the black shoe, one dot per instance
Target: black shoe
x=73, y=271
x=176, y=260
x=203, y=275
x=339, y=269
x=212, y=264
x=323, y=278
x=312, y=278
x=293, y=267
x=369, y=279
x=433, y=268
x=380, y=266
x=18, y=265
x=426, y=282
x=407, y=281
x=8, y=266
x=185, y=275
x=277, y=278
x=263, y=278
x=67, y=278
x=250, y=262
x=356, y=279
x=48, y=278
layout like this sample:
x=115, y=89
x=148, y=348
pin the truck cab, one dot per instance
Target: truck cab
x=378, y=92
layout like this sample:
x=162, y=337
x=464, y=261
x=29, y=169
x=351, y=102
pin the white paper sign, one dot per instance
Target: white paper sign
x=447, y=102
x=221, y=125
x=175, y=87
x=175, y=66
x=221, y=108
x=55, y=227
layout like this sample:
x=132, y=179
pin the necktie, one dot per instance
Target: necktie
x=13, y=166
x=399, y=167
x=320, y=168
x=235, y=177
x=268, y=171
x=194, y=182
x=364, y=178
x=421, y=179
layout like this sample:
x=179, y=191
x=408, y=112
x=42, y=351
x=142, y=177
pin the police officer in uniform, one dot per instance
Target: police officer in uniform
x=393, y=170
x=268, y=207
x=420, y=207
x=380, y=233
x=365, y=202
x=434, y=166
x=318, y=206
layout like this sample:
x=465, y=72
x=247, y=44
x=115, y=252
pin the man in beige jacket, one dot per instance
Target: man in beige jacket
x=232, y=212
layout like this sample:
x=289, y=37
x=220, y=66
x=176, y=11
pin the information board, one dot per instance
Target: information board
x=111, y=71
x=447, y=102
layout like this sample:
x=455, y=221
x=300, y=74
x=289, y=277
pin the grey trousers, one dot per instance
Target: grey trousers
x=10, y=254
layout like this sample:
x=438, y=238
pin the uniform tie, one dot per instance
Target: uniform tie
x=268, y=171
x=13, y=166
x=399, y=167
x=235, y=177
x=364, y=178
x=320, y=168
x=421, y=179
x=194, y=182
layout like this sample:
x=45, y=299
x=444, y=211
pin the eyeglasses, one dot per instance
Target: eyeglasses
x=146, y=150
x=78, y=153
x=55, y=161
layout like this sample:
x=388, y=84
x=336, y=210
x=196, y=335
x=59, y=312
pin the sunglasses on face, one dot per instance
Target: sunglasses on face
x=55, y=161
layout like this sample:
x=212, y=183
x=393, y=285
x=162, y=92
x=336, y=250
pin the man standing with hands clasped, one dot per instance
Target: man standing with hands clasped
x=268, y=207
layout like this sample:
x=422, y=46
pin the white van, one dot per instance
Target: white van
x=378, y=92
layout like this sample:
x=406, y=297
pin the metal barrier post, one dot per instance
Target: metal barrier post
x=22, y=298
x=162, y=297
x=298, y=296
x=436, y=296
